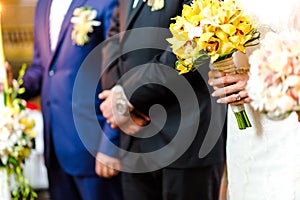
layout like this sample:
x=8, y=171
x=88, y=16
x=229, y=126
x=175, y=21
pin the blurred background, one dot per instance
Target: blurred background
x=17, y=31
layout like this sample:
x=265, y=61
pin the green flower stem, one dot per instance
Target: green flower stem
x=19, y=185
x=241, y=116
x=242, y=119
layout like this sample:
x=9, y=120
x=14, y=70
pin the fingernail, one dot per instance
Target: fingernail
x=218, y=101
x=211, y=83
x=213, y=94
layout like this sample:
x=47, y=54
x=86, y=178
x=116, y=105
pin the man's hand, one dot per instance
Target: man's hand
x=9, y=76
x=130, y=122
x=298, y=114
x=133, y=122
x=107, y=166
x=230, y=88
x=107, y=106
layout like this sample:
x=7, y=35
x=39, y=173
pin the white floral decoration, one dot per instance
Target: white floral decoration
x=154, y=4
x=12, y=138
x=16, y=142
x=274, y=83
x=83, y=20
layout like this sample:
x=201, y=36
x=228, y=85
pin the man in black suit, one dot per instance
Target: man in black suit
x=170, y=153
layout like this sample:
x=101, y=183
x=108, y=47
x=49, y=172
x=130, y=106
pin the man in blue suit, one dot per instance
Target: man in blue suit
x=59, y=51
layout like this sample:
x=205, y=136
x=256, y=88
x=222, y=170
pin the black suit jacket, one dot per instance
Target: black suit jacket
x=139, y=58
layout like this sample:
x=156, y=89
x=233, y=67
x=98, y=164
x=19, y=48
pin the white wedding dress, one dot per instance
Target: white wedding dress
x=264, y=161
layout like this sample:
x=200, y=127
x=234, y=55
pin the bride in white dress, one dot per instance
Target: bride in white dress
x=264, y=161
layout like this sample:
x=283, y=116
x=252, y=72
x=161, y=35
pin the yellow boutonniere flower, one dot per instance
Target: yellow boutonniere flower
x=83, y=20
x=155, y=4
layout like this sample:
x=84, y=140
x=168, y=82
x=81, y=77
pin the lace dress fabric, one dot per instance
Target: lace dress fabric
x=264, y=161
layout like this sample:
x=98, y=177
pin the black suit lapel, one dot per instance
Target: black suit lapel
x=128, y=9
x=131, y=12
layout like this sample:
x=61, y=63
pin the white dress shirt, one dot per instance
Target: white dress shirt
x=58, y=11
x=135, y=3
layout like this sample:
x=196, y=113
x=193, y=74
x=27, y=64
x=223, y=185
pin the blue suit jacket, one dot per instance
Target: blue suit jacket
x=53, y=75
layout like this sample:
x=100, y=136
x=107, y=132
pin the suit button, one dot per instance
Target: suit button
x=51, y=72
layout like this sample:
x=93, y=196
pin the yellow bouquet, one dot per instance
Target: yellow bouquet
x=213, y=29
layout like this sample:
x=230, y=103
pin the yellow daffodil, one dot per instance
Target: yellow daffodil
x=30, y=132
x=228, y=28
x=29, y=123
x=187, y=11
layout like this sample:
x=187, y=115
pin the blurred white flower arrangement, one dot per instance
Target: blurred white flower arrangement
x=274, y=83
x=16, y=142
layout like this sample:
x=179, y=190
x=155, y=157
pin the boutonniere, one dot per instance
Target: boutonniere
x=83, y=20
x=154, y=4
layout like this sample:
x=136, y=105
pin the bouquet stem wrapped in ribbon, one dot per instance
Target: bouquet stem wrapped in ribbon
x=227, y=65
x=212, y=29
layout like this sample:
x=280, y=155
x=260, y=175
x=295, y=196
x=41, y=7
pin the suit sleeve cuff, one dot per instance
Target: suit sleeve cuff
x=110, y=141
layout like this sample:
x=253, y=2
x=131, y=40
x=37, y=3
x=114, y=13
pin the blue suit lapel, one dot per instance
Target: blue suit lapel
x=47, y=28
x=65, y=25
x=66, y=22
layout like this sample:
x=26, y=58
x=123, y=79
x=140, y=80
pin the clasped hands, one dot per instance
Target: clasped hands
x=229, y=88
x=129, y=122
